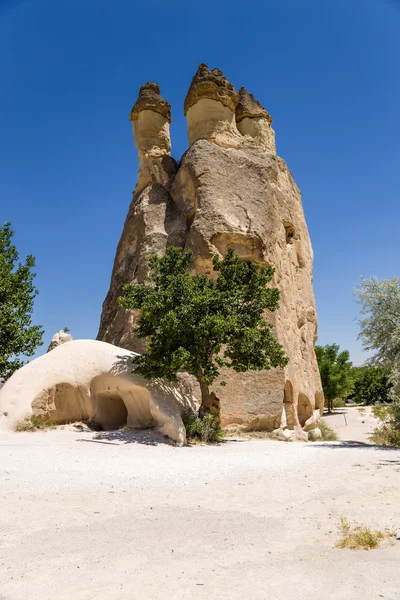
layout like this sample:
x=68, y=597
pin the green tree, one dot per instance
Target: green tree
x=335, y=370
x=17, y=293
x=201, y=325
x=371, y=384
x=380, y=324
x=380, y=333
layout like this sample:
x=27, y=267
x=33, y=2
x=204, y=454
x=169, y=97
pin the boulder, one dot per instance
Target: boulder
x=88, y=379
x=61, y=337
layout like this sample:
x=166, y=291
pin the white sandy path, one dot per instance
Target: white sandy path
x=353, y=423
x=85, y=519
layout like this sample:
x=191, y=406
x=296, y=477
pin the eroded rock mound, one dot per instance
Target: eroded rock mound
x=88, y=379
x=61, y=337
x=231, y=190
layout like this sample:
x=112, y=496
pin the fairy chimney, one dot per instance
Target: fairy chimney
x=230, y=190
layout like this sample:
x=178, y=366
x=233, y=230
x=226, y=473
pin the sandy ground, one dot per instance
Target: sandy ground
x=87, y=516
x=354, y=424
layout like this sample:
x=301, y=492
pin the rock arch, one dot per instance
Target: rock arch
x=304, y=409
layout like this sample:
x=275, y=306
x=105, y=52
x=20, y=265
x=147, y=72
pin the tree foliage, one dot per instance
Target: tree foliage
x=335, y=370
x=17, y=293
x=388, y=431
x=371, y=384
x=380, y=324
x=200, y=325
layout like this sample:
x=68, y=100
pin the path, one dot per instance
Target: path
x=91, y=516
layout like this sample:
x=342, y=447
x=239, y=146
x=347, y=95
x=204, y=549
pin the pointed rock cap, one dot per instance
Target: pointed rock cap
x=250, y=107
x=149, y=99
x=211, y=84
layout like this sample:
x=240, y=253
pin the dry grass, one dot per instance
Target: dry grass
x=34, y=423
x=328, y=434
x=251, y=434
x=361, y=537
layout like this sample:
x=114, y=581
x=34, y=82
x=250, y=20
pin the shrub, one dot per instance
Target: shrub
x=328, y=434
x=388, y=432
x=34, y=423
x=207, y=428
x=360, y=537
x=338, y=403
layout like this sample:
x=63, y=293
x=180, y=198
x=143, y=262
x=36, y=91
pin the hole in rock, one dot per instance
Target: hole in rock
x=111, y=411
x=289, y=232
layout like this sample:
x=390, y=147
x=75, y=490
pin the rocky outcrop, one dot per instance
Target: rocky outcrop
x=61, y=337
x=151, y=116
x=210, y=109
x=153, y=221
x=87, y=379
x=231, y=190
x=253, y=121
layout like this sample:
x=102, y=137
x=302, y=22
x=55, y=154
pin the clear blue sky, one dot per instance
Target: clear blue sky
x=327, y=71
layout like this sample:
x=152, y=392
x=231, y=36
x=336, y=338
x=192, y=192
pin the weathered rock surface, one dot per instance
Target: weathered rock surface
x=211, y=83
x=231, y=190
x=149, y=99
x=153, y=221
x=254, y=122
x=87, y=379
x=61, y=337
x=210, y=109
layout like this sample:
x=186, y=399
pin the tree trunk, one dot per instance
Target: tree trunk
x=330, y=405
x=205, y=397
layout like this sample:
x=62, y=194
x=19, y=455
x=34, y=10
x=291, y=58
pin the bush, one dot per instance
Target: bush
x=388, y=433
x=207, y=428
x=34, y=423
x=360, y=537
x=338, y=403
x=328, y=434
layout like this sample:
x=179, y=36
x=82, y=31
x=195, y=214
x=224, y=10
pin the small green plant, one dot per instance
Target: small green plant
x=361, y=410
x=339, y=403
x=34, y=423
x=207, y=428
x=380, y=411
x=312, y=437
x=328, y=434
x=361, y=537
x=388, y=432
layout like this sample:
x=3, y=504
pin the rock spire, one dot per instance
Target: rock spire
x=229, y=190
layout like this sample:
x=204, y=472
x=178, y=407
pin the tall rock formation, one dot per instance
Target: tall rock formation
x=230, y=189
x=153, y=221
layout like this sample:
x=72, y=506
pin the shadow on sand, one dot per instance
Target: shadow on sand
x=350, y=444
x=147, y=437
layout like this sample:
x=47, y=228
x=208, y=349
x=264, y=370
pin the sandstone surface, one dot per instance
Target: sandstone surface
x=230, y=189
x=88, y=379
x=61, y=337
